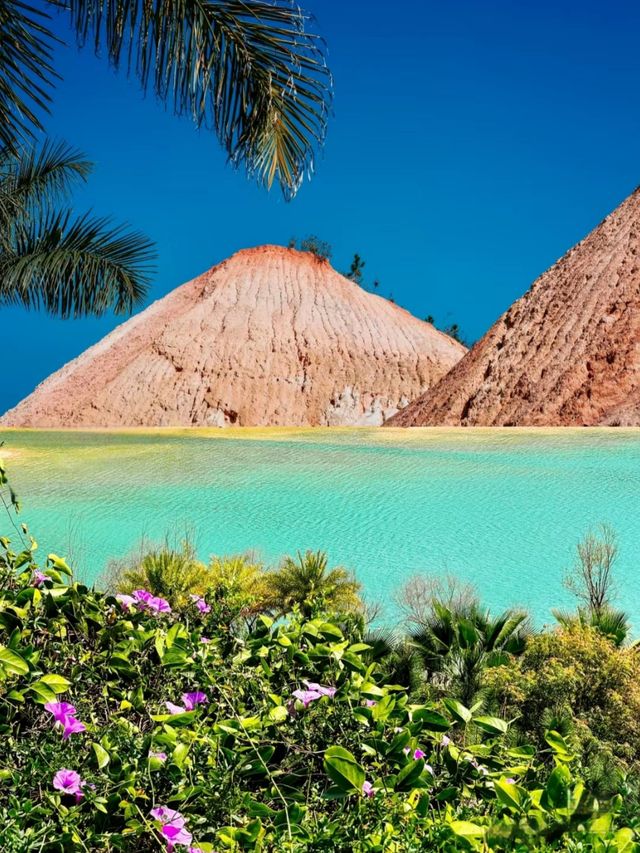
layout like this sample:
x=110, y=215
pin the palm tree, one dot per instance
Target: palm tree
x=308, y=583
x=248, y=69
x=457, y=643
x=612, y=623
x=172, y=572
x=69, y=265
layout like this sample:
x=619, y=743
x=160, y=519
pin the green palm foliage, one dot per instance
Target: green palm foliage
x=174, y=573
x=307, y=582
x=250, y=70
x=457, y=643
x=611, y=623
x=69, y=265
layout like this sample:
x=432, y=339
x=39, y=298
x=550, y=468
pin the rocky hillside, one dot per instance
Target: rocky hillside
x=567, y=353
x=270, y=337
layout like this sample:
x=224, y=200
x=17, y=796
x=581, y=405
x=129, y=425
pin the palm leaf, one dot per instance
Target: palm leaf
x=75, y=267
x=248, y=69
x=33, y=179
x=26, y=72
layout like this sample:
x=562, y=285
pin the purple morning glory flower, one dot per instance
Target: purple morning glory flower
x=161, y=756
x=69, y=782
x=126, y=601
x=306, y=696
x=60, y=710
x=38, y=578
x=201, y=604
x=63, y=714
x=71, y=726
x=174, y=709
x=370, y=703
x=418, y=753
x=173, y=827
x=192, y=700
x=205, y=640
x=510, y=781
x=146, y=601
x=367, y=789
x=319, y=688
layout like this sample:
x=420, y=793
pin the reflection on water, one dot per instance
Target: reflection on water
x=502, y=508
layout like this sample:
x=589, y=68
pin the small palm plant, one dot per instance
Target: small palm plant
x=306, y=582
x=71, y=266
x=458, y=643
x=611, y=623
x=173, y=573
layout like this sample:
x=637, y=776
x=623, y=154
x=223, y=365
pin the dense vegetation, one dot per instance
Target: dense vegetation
x=240, y=713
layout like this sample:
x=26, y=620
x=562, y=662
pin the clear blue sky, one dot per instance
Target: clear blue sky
x=472, y=144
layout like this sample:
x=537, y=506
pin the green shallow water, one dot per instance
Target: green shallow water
x=501, y=508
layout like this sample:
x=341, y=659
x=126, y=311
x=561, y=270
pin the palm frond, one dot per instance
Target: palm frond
x=249, y=69
x=32, y=179
x=75, y=267
x=26, y=72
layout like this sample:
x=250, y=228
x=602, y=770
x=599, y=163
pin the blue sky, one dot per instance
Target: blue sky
x=472, y=144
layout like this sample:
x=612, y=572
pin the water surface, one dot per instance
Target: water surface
x=500, y=507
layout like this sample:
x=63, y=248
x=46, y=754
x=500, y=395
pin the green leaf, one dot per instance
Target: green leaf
x=42, y=692
x=559, y=746
x=493, y=725
x=13, y=663
x=102, y=756
x=431, y=720
x=57, y=683
x=60, y=564
x=458, y=711
x=466, y=829
x=556, y=792
x=508, y=794
x=343, y=769
x=410, y=773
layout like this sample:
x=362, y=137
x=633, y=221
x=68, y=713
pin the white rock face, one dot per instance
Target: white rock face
x=270, y=337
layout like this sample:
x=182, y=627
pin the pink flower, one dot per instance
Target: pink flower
x=63, y=714
x=370, y=703
x=306, y=696
x=318, y=688
x=367, y=789
x=510, y=781
x=418, y=754
x=192, y=700
x=60, y=710
x=126, y=601
x=146, y=601
x=205, y=640
x=173, y=827
x=72, y=726
x=161, y=756
x=445, y=740
x=69, y=782
x=201, y=604
x=38, y=578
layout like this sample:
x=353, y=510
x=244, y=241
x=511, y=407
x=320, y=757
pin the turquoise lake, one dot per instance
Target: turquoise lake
x=501, y=508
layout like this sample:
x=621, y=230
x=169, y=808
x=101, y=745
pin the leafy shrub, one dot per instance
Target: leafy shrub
x=288, y=740
x=577, y=674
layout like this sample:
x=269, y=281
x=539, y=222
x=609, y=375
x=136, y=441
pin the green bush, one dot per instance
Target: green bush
x=283, y=739
x=579, y=675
